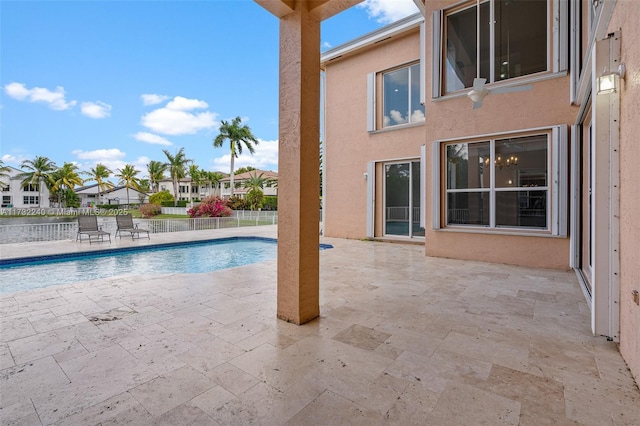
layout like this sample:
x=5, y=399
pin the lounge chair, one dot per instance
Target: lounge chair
x=125, y=224
x=88, y=225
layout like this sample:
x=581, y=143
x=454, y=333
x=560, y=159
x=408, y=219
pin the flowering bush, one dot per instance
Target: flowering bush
x=210, y=207
x=149, y=210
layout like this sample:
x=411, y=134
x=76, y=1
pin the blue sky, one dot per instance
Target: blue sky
x=116, y=82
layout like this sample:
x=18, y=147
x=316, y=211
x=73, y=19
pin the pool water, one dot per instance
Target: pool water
x=196, y=257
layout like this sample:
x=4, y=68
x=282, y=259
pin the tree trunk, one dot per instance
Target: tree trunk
x=231, y=175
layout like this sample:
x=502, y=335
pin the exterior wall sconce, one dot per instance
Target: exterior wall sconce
x=608, y=82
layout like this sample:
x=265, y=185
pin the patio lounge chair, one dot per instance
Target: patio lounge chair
x=88, y=225
x=125, y=224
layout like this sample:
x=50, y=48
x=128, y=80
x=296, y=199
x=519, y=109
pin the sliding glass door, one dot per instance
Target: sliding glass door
x=402, y=199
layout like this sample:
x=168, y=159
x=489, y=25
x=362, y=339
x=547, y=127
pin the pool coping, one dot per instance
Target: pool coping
x=108, y=251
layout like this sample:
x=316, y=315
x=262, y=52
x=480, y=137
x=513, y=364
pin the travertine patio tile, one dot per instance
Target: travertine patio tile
x=6, y=359
x=243, y=328
x=119, y=409
x=488, y=350
x=232, y=378
x=49, y=321
x=594, y=401
x=20, y=413
x=362, y=337
x=184, y=415
x=412, y=407
x=167, y=392
x=463, y=405
x=45, y=344
x=33, y=379
x=269, y=335
x=408, y=340
x=15, y=327
x=552, y=357
x=81, y=304
x=209, y=355
x=332, y=409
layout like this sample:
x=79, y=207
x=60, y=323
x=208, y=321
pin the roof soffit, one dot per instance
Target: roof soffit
x=321, y=9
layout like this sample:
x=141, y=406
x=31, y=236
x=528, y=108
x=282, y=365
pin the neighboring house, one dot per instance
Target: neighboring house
x=14, y=194
x=91, y=196
x=537, y=167
x=189, y=191
x=270, y=187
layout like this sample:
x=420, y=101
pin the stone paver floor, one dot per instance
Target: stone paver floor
x=402, y=339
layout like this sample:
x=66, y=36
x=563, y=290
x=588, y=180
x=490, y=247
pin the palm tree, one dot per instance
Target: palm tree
x=214, y=179
x=255, y=181
x=156, y=171
x=65, y=179
x=177, y=169
x=127, y=176
x=238, y=135
x=4, y=169
x=39, y=172
x=196, y=175
x=99, y=173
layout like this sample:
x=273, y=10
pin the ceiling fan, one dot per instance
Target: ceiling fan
x=479, y=92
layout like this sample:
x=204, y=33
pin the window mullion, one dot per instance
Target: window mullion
x=492, y=185
x=492, y=42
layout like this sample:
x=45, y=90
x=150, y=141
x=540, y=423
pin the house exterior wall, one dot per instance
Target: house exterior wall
x=17, y=193
x=626, y=17
x=349, y=147
x=546, y=104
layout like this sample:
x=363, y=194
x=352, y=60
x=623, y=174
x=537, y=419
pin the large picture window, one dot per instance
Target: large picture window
x=30, y=200
x=31, y=187
x=401, y=96
x=505, y=182
x=515, y=45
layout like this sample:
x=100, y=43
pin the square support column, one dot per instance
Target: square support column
x=298, y=167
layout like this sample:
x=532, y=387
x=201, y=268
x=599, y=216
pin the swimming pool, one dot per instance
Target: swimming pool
x=192, y=257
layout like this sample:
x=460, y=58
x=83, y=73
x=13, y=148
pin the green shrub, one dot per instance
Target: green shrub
x=254, y=198
x=108, y=206
x=270, y=202
x=161, y=197
x=149, y=210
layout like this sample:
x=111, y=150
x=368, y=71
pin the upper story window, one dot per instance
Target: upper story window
x=31, y=187
x=400, y=101
x=498, y=40
x=5, y=187
x=515, y=45
x=401, y=96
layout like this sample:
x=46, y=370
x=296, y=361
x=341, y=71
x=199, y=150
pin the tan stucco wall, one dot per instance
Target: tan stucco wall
x=349, y=147
x=626, y=17
x=547, y=104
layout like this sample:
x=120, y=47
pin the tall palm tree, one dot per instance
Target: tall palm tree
x=100, y=173
x=238, y=135
x=65, y=179
x=156, y=171
x=177, y=169
x=39, y=172
x=128, y=178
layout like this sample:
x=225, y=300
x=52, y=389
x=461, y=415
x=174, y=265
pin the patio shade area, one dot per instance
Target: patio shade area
x=401, y=339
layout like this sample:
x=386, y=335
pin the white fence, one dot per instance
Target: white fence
x=29, y=232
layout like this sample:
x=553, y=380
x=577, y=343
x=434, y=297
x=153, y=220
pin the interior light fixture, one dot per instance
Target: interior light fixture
x=609, y=81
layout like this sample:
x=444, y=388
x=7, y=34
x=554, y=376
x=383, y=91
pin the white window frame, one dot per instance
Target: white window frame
x=558, y=31
x=557, y=164
x=372, y=107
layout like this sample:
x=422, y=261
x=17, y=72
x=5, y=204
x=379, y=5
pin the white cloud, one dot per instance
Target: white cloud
x=100, y=155
x=54, y=99
x=387, y=11
x=153, y=99
x=183, y=104
x=95, y=109
x=326, y=45
x=173, y=119
x=397, y=117
x=151, y=138
x=265, y=157
x=417, y=116
x=9, y=159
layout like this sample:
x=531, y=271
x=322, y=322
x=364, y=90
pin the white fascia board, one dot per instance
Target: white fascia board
x=405, y=24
